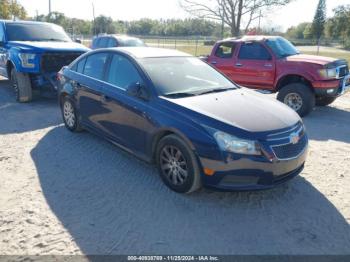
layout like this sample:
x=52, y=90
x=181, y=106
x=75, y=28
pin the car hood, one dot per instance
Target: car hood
x=241, y=108
x=49, y=46
x=319, y=60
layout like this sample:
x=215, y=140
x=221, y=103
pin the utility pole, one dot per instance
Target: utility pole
x=49, y=7
x=259, y=29
x=93, y=16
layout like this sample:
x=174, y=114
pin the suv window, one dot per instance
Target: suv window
x=95, y=64
x=225, y=50
x=95, y=42
x=112, y=42
x=103, y=42
x=253, y=51
x=122, y=72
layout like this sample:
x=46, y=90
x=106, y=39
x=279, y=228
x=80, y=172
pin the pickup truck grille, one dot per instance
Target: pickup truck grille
x=290, y=150
x=53, y=62
x=343, y=71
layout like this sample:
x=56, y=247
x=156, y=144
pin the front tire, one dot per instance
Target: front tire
x=22, y=86
x=70, y=115
x=324, y=101
x=177, y=165
x=299, y=97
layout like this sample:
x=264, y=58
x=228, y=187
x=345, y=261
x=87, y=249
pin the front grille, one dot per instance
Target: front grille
x=53, y=62
x=343, y=71
x=290, y=150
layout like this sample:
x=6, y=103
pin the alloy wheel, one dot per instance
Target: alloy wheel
x=294, y=101
x=174, y=165
x=69, y=114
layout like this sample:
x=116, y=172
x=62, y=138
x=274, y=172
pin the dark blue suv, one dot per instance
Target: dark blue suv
x=172, y=109
x=31, y=54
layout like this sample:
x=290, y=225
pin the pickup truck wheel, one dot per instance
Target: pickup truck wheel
x=325, y=101
x=298, y=97
x=22, y=86
x=177, y=165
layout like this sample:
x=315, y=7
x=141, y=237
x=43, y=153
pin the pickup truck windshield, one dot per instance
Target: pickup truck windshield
x=184, y=76
x=281, y=47
x=35, y=32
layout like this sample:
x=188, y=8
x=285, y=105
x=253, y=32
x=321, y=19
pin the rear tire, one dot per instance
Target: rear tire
x=22, y=86
x=299, y=97
x=177, y=165
x=70, y=115
x=325, y=101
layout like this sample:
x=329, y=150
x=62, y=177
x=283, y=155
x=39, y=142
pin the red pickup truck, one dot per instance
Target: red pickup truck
x=273, y=64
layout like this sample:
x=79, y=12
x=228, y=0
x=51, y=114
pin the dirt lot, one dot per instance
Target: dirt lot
x=64, y=193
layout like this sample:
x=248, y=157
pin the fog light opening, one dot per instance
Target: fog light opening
x=209, y=172
x=330, y=91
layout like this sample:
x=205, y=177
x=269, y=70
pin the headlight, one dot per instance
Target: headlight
x=27, y=60
x=328, y=73
x=234, y=144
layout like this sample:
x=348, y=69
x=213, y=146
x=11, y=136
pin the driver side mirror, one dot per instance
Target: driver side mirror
x=77, y=40
x=138, y=90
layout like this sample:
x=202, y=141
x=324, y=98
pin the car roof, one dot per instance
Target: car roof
x=123, y=37
x=24, y=22
x=150, y=52
x=248, y=38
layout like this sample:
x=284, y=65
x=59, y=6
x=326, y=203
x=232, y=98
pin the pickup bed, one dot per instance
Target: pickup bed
x=31, y=54
x=273, y=64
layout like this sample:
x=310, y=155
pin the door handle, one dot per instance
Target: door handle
x=239, y=65
x=213, y=62
x=268, y=65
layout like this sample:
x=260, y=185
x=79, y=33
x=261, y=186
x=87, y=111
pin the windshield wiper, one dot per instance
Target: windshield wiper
x=51, y=39
x=179, y=95
x=216, y=90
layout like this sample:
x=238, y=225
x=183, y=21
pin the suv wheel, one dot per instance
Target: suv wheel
x=177, y=165
x=70, y=115
x=299, y=97
x=325, y=101
x=22, y=86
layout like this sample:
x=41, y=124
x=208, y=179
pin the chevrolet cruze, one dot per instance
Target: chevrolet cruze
x=172, y=109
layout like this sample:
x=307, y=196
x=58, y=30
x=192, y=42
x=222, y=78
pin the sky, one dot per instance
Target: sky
x=281, y=18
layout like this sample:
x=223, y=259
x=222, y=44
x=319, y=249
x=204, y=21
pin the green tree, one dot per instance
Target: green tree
x=104, y=24
x=319, y=21
x=297, y=32
x=10, y=9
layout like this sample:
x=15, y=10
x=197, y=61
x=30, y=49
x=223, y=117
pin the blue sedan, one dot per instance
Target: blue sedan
x=169, y=108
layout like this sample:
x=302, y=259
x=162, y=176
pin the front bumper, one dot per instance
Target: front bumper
x=239, y=173
x=333, y=88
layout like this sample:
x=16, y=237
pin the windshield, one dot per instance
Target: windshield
x=131, y=42
x=36, y=32
x=184, y=76
x=281, y=47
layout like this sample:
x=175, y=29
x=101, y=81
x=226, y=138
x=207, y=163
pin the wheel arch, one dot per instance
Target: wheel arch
x=160, y=134
x=293, y=78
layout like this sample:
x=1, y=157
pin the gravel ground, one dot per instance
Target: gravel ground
x=64, y=193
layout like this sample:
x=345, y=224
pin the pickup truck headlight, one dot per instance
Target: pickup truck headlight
x=328, y=73
x=27, y=60
x=237, y=145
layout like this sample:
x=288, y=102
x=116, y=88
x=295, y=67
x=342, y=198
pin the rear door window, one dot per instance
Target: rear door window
x=225, y=50
x=253, y=51
x=95, y=65
x=122, y=72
